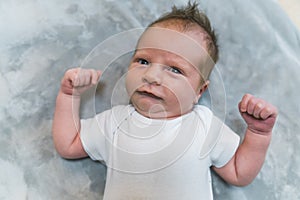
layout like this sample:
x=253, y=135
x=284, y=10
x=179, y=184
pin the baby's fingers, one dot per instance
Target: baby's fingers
x=256, y=107
x=257, y=110
x=81, y=78
x=85, y=77
x=268, y=111
x=95, y=76
x=244, y=102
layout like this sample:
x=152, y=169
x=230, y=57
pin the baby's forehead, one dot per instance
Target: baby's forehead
x=171, y=40
x=185, y=44
x=149, y=53
x=188, y=45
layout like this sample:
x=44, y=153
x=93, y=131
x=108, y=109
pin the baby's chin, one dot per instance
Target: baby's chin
x=157, y=111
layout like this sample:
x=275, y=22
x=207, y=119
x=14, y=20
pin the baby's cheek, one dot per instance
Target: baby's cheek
x=182, y=98
x=131, y=83
x=128, y=84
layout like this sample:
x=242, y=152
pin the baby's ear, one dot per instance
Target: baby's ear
x=202, y=89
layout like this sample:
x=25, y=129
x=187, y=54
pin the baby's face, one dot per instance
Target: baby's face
x=163, y=79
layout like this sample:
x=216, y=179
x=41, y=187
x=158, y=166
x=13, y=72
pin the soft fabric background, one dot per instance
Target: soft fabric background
x=39, y=40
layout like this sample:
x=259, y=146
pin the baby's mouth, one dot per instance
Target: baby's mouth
x=148, y=94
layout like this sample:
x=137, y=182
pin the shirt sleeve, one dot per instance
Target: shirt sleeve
x=97, y=133
x=225, y=145
x=93, y=138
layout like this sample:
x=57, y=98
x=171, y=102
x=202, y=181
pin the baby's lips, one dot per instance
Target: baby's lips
x=150, y=94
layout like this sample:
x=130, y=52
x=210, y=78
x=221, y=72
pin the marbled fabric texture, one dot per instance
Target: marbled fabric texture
x=40, y=40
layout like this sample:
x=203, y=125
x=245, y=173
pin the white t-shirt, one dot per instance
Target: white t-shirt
x=150, y=159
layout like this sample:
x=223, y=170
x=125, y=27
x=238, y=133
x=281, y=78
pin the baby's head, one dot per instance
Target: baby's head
x=191, y=19
x=173, y=59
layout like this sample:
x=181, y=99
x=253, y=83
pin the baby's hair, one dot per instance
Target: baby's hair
x=186, y=18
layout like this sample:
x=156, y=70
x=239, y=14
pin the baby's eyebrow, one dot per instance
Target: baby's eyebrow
x=134, y=52
x=137, y=51
x=140, y=52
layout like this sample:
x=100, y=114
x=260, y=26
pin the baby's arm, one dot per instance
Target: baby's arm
x=66, y=122
x=260, y=117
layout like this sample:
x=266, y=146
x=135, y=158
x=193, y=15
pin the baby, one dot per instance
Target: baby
x=152, y=146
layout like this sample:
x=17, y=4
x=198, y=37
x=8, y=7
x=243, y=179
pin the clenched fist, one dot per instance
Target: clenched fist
x=78, y=80
x=259, y=115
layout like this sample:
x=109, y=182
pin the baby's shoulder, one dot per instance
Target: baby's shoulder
x=204, y=114
x=202, y=110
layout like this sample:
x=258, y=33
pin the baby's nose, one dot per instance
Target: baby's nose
x=153, y=74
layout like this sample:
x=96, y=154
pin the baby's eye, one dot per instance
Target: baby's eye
x=175, y=70
x=142, y=61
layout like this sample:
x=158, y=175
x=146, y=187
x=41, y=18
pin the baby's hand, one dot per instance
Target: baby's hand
x=259, y=115
x=78, y=80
